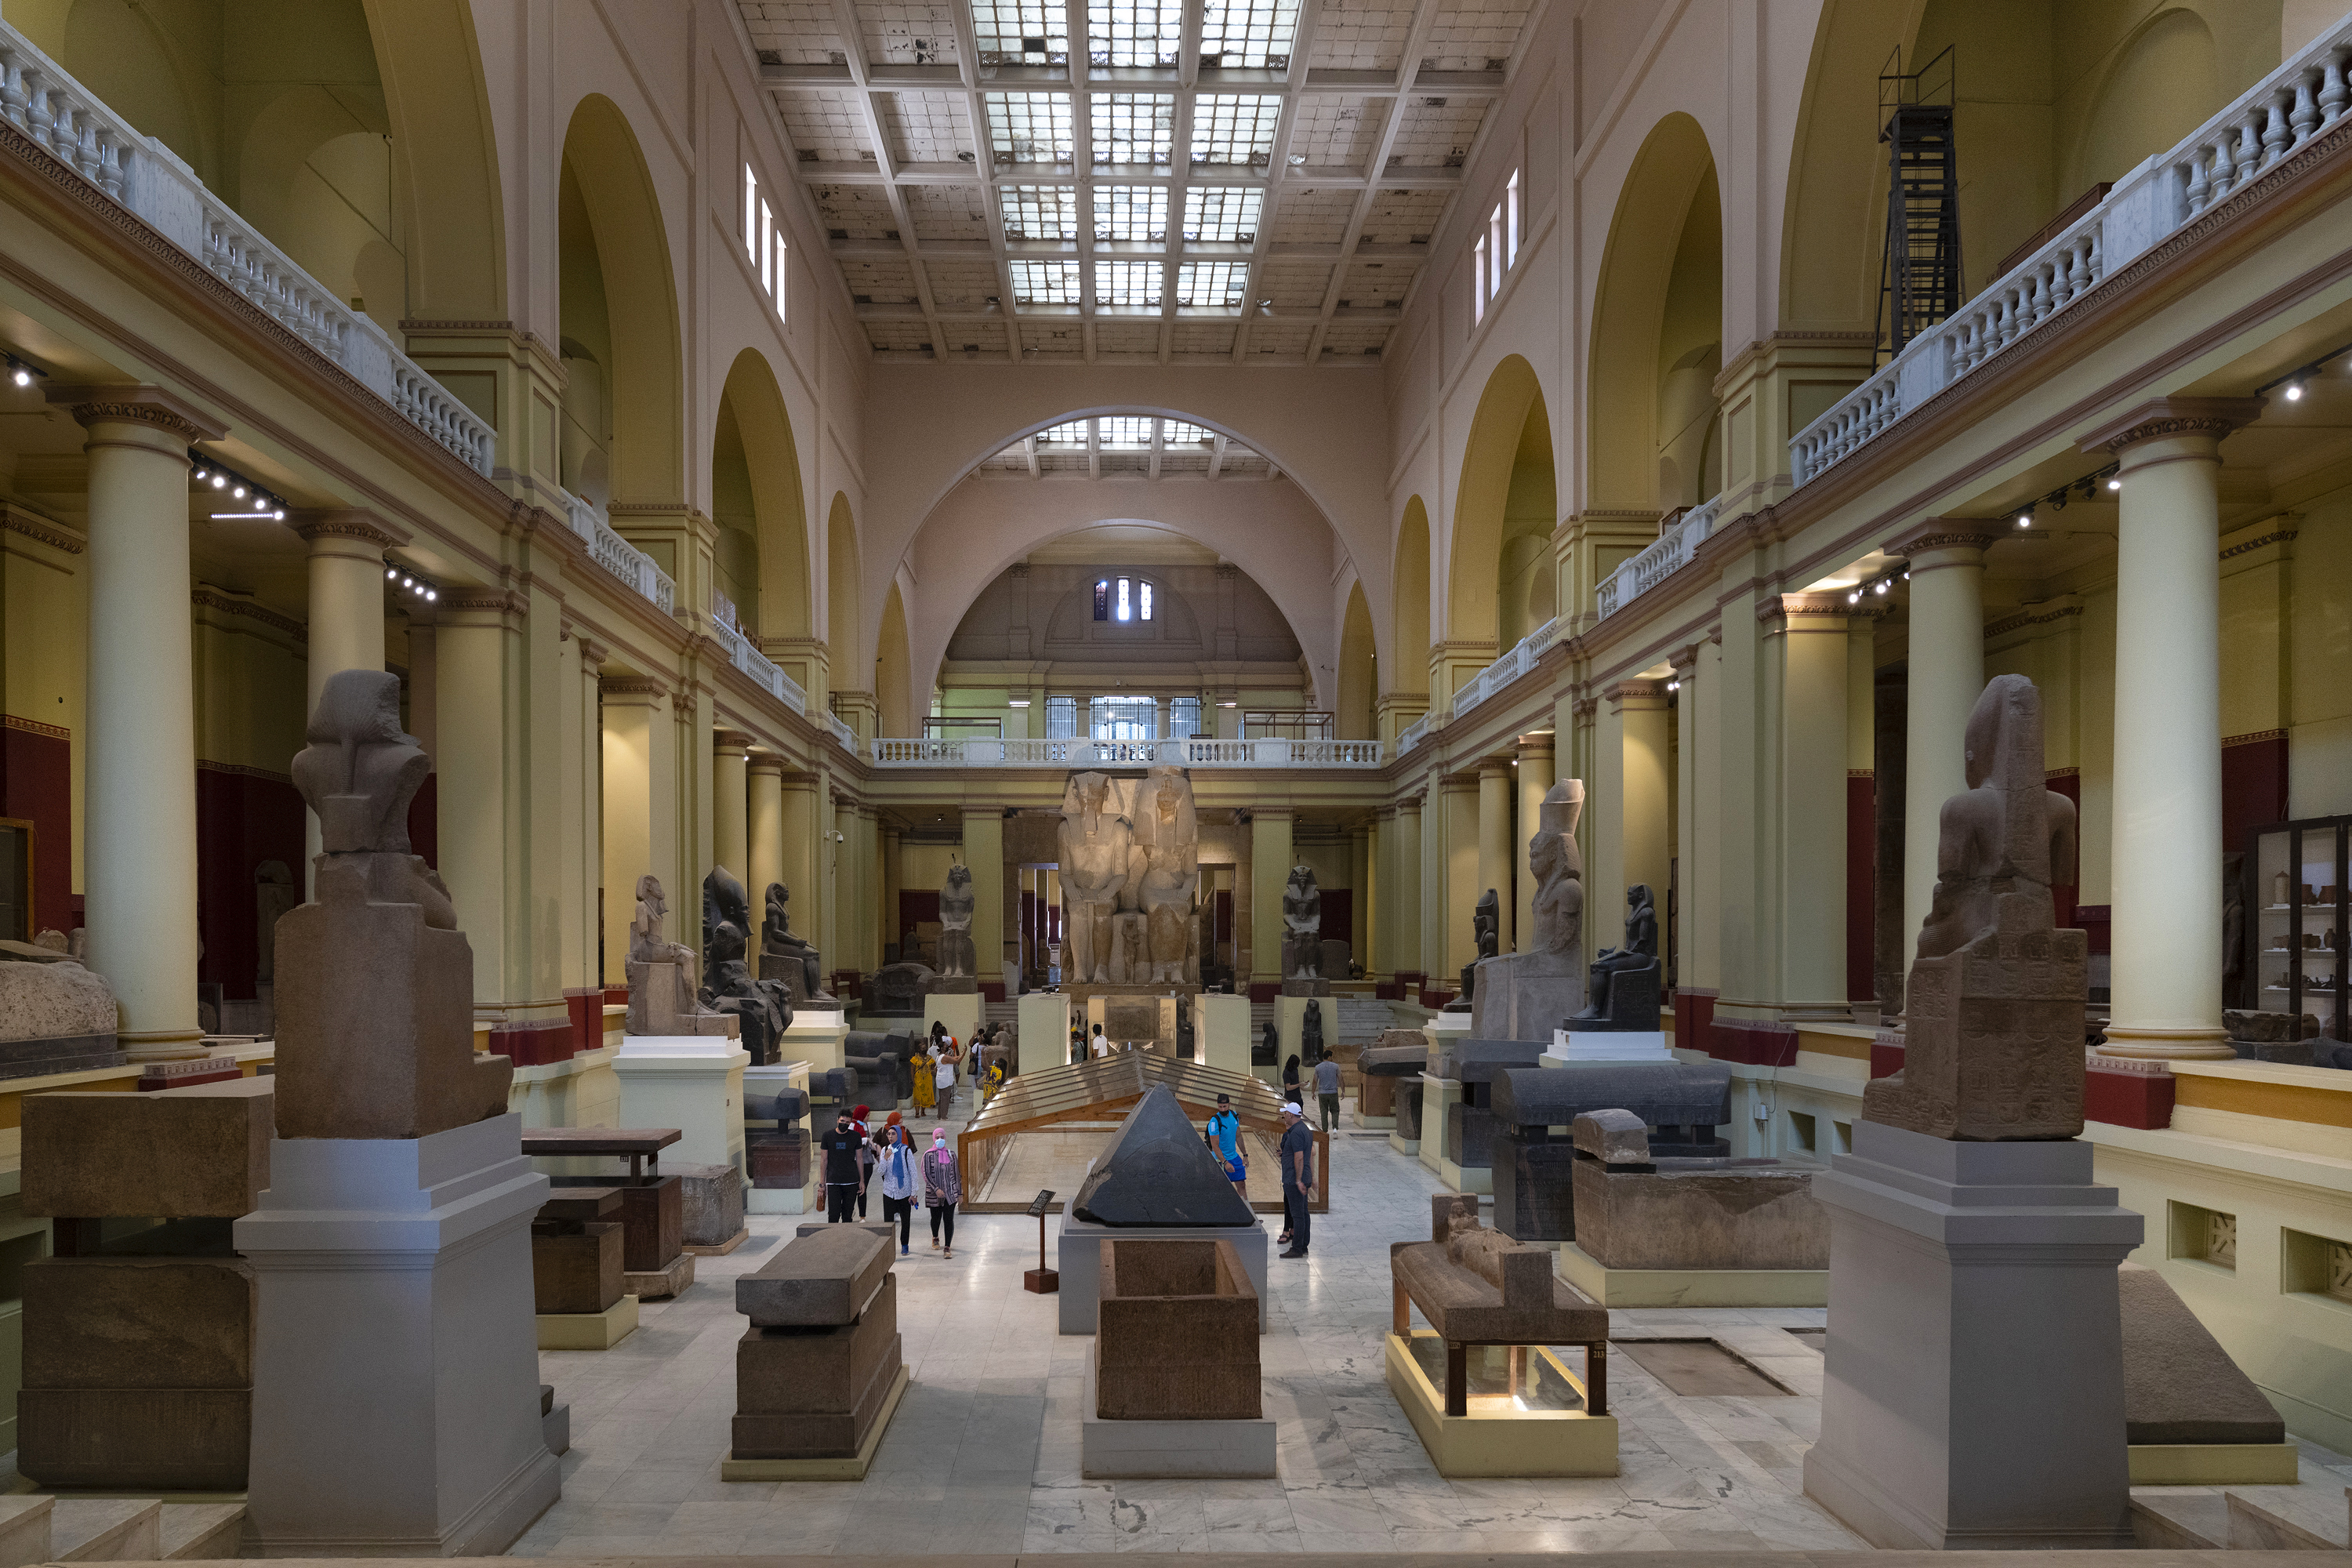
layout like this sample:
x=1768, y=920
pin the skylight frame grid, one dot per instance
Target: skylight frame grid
x=1132, y=129
x=964, y=284
x=1234, y=130
x=1134, y=214
x=1250, y=34
x=1068, y=433
x=1024, y=125
x=1124, y=283
x=1124, y=432
x=1181, y=432
x=1039, y=212
x=909, y=32
x=1223, y=215
x=1212, y=284
x=1134, y=34
x=1046, y=282
x=1004, y=30
x=946, y=213
x=926, y=126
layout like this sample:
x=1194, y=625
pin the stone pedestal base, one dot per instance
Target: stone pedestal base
x=960, y=1012
x=1177, y=1451
x=1079, y=1255
x=694, y=1083
x=660, y=1284
x=1523, y=995
x=1973, y=1394
x=394, y=1280
x=1607, y=1046
x=1438, y=1096
x=588, y=1330
x=816, y=1037
x=1042, y=1030
x=1691, y=1286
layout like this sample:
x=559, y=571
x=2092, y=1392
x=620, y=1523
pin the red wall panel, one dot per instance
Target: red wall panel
x=37, y=786
x=242, y=819
x=1861, y=886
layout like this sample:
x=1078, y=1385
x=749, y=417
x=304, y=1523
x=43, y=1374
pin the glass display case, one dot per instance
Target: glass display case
x=2296, y=889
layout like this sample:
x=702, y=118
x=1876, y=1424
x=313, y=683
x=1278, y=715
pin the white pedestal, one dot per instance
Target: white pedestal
x=1045, y=1030
x=1179, y=1450
x=1290, y=1029
x=396, y=1397
x=783, y=1200
x=1080, y=1258
x=1973, y=1394
x=1606, y=1046
x=816, y=1037
x=1220, y=1031
x=959, y=1011
x=1444, y=1026
x=1436, y=1094
x=691, y=1082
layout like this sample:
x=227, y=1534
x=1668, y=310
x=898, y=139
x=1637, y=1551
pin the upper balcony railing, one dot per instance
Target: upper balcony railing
x=759, y=667
x=1414, y=733
x=2236, y=148
x=1655, y=563
x=842, y=733
x=139, y=173
x=986, y=752
x=1505, y=670
x=621, y=558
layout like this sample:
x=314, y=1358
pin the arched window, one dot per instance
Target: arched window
x=1126, y=599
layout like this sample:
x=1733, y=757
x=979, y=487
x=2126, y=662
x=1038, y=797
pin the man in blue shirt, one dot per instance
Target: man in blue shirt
x=1226, y=1133
x=1297, y=1176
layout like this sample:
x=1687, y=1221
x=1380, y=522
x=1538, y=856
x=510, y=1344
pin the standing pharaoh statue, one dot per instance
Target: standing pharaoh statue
x=1097, y=838
x=1302, y=935
x=959, y=965
x=1165, y=872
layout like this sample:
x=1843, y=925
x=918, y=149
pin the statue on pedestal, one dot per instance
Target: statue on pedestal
x=274, y=894
x=762, y=1008
x=1486, y=923
x=1311, y=1033
x=1523, y=995
x=1164, y=874
x=959, y=965
x=787, y=957
x=1302, y=935
x=1625, y=980
x=1096, y=843
x=662, y=991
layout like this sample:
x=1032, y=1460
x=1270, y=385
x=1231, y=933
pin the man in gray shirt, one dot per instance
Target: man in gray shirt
x=1326, y=1091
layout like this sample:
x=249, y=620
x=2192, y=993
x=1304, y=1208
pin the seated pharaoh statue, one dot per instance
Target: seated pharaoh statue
x=1624, y=988
x=662, y=999
x=788, y=957
x=761, y=1008
x=375, y=982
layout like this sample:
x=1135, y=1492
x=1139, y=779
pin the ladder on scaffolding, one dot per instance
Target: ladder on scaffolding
x=1919, y=280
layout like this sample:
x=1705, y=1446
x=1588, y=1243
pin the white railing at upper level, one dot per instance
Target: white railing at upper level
x=1505, y=670
x=74, y=126
x=1658, y=561
x=841, y=730
x=988, y=751
x=1414, y=733
x=759, y=667
x=2237, y=147
x=621, y=558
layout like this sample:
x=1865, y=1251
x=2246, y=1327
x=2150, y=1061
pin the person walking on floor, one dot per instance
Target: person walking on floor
x=1290, y=1079
x=944, y=1077
x=942, y=1187
x=1327, y=1091
x=839, y=1150
x=901, y=1171
x=1226, y=1136
x=866, y=1155
x=1297, y=1177
x=926, y=1095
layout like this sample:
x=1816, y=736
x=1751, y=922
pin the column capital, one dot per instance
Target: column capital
x=624, y=686
x=767, y=763
x=137, y=404
x=1584, y=708
x=729, y=740
x=1685, y=663
x=1934, y=541
x=1273, y=812
x=481, y=607
x=338, y=531
x=1805, y=611
x=1636, y=696
x=984, y=811
x=1458, y=784
x=2159, y=417
x=1410, y=803
x=591, y=652
x=1538, y=741
x=1493, y=767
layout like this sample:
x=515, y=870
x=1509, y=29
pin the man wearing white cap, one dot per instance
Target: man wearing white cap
x=1297, y=1177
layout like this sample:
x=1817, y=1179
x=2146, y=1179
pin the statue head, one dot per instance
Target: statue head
x=778, y=896
x=959, y=880
x=726, y=916
x=360, y=769
x=649, y=891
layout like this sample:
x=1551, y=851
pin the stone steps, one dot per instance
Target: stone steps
x=35, y=1527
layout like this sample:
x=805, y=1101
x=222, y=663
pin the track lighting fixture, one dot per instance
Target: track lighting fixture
x=24, y=374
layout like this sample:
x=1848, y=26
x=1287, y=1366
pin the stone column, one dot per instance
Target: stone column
x=1404, y=908
x=1360, y=896
x=640, y=779
x=1693, y=974
x=1947, y=676
x=731, y=803
x=765, y=828
x=1806, y=857
x=346, y=600
x=138, y=795
x=891, y=883
x=850, y=914
x=1534, y=781
x=1270, y=865
x=2166, y=875
x=579, y=784
x=801, y=857
x=867, y=842
x=983, y=849
x=1646, y=787
x=1458, y=846
x=1494, y=846
x=470, y=800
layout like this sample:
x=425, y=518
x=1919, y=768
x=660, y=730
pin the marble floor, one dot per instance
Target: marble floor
x=983, y=1455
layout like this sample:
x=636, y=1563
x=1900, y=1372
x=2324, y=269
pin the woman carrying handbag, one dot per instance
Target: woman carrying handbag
x=942, y=1187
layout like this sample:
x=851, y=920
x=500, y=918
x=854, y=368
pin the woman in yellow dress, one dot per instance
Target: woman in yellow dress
x=926, y=1095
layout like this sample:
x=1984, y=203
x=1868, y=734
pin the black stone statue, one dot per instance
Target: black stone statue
x=788, y=957
x=1624, y=987
x=1310, y=1032
x=1485, y=927
x=1269, y=1049
x=763, y=1007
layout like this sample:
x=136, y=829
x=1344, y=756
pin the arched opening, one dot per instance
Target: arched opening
x=1499, y=567
x=893, y=667
x=844, y=646
x=1408, y=674
x=1657, y=332
x=1358, y=671
x=622, y=419
x=762, y=559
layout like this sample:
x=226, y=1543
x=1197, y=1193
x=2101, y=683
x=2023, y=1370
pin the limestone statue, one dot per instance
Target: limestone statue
x=274, y=894
x=374, y=986
x=1523, y=995
x=1165, y=874
x=1625, y=980
x=661, y=990
x=788, y=957
x=762, y=1008
x=1994, y=1006
x=1559, y=870
x=1302, y=935
x=959, y=962
x=1096, y=839
x=1130, y=948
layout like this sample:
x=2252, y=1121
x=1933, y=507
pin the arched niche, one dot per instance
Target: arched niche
x=1507, y=493
x=755, y=500
x=900, y=708
x=1408, y=672
x=619, y=308
x=844, y=646
x=1657, y=332
x=1358, y=671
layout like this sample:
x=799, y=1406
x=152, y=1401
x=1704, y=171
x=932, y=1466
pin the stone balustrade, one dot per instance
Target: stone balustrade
x=1673, y=551
x=1505, y=670
x=986, y=751
x=759, y=667
x=621, y=558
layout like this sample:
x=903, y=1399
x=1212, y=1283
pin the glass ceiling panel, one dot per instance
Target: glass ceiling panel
x=1255, y=34
x=1040, y=211
x=1137, y=213
x=1029, y=127
x=1234, y=128
x=1045, y=282
x=1134, y=33
x=1222, y=213
x=1138, y=283
x=1133, y=128
x=1201, y=284
x=1022, y=32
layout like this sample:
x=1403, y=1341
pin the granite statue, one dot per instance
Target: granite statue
x=274, y=894
x=374, y=988
x=1165, y=874
x=1995, y=1002
x=662, y=995
x=1486, y=926
x=1267, y=1052
x=1311, y=1033
x=1625, y=980
x=762, y=1008
x=1097, y=841
x=1523, y=995
x=1302, y=935
x=788, y=957
x=959, y=961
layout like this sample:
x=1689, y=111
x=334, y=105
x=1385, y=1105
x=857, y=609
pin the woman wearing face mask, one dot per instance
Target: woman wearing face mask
x=942, y=1187
x=901, y=1170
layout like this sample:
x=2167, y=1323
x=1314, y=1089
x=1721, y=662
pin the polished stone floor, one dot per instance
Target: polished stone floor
x=983, y=1455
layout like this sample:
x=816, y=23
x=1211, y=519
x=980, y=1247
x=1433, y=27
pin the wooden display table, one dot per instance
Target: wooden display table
x=637, y=1144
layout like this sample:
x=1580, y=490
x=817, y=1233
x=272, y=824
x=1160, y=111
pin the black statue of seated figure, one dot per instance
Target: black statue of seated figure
x=1624, y=992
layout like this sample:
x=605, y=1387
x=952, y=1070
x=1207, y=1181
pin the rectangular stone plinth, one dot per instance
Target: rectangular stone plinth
x=660, y=1284
x=588, y=1330
x=817, y=1371
x=846, y=1468
x=694, y=1083
x=819, y=1435
x=711, y=1204
x=818, y=1280
x=163, y=1439
x=1533, y=1189
x=575, y=1270
x=1112, y=1449
x=197, y=1151
x=1731, y=1287
x=1701, y=1214
x=1626, y=1045
x=653, y=1217
x=1177, y=1333
x=1971, y=1281
x=1079, y=1259
x=137, y=1323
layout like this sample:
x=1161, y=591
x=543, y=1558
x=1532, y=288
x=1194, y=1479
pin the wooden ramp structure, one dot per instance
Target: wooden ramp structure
x=1102, y=1092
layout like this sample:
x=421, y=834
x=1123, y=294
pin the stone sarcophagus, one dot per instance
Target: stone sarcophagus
x=818, y=1369
x=1635, y=1211
x=1177, y=1335
x=1535, y=1195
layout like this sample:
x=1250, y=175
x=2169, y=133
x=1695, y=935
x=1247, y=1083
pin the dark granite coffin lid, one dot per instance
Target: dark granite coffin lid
x=1479, y=1061
x=1393, y=1061
x=1662, y=1094
x=1157, y=1171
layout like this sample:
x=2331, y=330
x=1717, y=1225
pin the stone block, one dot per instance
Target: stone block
x=1612, y=1137
x=1376, y=1096
x=59, y=1053
x=138, y=1324
x=778, y=1159
x=1523, y=995
x=653, y=1223
x=60, y=1000
x=2268, y=1028
x=1470, y=1136
x=824, y=1372
x=574, y=1269
x=1701, y=1214
x=201, y=1151
x=887, y=1229
x=158, y=1439
x=2179, y=1385
x=1534, y=1190
x=1476, y=1060
x=575, y=1206
x=1177, y=1333
x=711, y=1204
x=1408, y=1109
x=817, y=1281
x=1662, y=1094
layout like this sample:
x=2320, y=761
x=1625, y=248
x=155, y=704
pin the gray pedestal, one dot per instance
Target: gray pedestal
x=1080, y=1256
x=1973, y=1394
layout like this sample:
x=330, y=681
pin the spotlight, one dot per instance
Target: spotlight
x=280, y=514
x=2295, y=390
x=408, y=582
x=391, y=572
x=432, y=594
x=1879, y=587
x=220, y=481
x=1674, y=685
x=238, y=491
x=2025, y=517
x=2115, y=482
x=1854, y=597
x=203, y=473
x=19, y=375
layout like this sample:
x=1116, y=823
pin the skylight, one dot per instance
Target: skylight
x=1135, y=127
x=1222, y=213
x=1234, y=127
x=1045, y=282
x=1072, y=433
x=1125, y=432
x=1137, y=213
x=1022, y=32
x=1134, y=33
x=1181, y=432
x=1205, y=284
x=1138, y=283
x=1255, y=35
x=1029, y=127
x=1040, y=211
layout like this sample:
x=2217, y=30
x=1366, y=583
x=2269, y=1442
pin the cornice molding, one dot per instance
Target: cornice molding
x=1809, y=606
x=2033, y=616
x=2157, y=418
x=359, y=525
x=57, y=536
x=2284, y=535
x=1934, y=533
x=632, y=686
x=228, y=604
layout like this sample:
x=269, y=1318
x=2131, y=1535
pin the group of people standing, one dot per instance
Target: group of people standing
x=1293, y=1158
x=854, y=1150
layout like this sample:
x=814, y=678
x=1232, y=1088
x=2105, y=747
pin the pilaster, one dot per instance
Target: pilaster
x=1769, y=390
